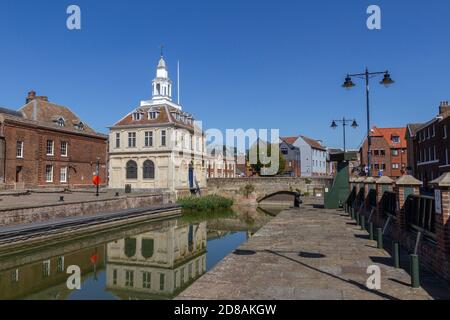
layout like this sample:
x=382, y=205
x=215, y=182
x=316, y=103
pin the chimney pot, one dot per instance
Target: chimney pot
x=444, y=108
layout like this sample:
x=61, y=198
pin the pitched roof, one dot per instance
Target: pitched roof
x=289, y=140
x=388, y=133
x=11, y=112
x=314, y=143
x=47, y=113
x=166, y=115
x=413, y=128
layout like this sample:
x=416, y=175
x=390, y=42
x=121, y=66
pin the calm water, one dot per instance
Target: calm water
x=155, y=260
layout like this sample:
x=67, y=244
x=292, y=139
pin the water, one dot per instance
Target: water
x=153, y=260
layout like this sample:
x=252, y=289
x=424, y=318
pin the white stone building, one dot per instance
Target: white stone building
x=221, y=162
x=159, y=262
x=157, y=145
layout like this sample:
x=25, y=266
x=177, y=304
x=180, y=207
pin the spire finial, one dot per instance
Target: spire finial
x=162, y=48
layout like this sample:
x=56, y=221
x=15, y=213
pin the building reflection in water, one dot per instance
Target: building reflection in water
x=46, y=279
x=153, y=260
x=158, y=263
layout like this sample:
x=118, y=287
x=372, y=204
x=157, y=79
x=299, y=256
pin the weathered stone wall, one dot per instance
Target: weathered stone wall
x=235, y=187
x=47, y=212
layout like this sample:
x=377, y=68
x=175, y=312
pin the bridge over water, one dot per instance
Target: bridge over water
x=255, y=190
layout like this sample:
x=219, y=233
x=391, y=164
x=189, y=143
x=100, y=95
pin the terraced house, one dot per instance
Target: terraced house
x=157, y=145
x=388, y=152
x=430, y=143
x=46, y=145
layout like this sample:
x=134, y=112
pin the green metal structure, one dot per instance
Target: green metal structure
x=336, y=196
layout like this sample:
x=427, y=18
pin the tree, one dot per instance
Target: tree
x=258, y=166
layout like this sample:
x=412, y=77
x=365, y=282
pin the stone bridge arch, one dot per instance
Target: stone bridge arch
x=295, y=196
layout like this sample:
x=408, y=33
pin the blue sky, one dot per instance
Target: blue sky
x=245, y=64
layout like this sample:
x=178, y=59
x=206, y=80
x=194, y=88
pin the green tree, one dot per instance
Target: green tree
x=258, y=166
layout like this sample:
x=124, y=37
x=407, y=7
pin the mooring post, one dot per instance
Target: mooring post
x=371, y=235
x=415, y=269
x=396, y=254
x=380, y=238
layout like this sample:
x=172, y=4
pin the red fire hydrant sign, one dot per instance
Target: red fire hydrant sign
x=96, y=180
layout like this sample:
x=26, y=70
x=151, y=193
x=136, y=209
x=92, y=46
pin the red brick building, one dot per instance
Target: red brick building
x=46, y=145
x=389, y=152
x=431, y=146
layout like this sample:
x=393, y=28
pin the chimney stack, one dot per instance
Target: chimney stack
x=444, y=108
x=31, y=96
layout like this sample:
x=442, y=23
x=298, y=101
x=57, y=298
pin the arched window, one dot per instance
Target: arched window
x=149, y=170
x=130, y=247
x=131, y=170
x=147, y=248
x=158, y=89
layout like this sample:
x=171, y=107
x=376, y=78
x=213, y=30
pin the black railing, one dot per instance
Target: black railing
x=351, y=198
x=372, y=198
x=421, y=214
x=388, y=203
x=359, y=198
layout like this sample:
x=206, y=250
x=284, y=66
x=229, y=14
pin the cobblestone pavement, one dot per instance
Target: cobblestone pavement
x=310, y=254
x=14, y=200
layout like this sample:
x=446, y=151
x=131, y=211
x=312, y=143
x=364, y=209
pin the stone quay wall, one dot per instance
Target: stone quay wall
x=40, y=213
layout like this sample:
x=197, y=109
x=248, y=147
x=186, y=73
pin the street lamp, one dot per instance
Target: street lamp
x=344, y=122
x=97, y=174
x=348, y=84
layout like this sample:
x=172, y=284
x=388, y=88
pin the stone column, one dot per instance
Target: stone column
x=383, y=184
x=404, y=186
x=442, y=190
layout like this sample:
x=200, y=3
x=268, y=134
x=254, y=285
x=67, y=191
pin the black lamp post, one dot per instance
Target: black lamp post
x=348, y=84
x=98, y=175
x=344, y=122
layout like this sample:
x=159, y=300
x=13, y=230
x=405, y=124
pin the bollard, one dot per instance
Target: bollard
x=414, y=269
x=61, y=199
x=352, y=212
x=380, y=238
x=396, y=254
x=117, y=194
x=363, y=222
x=357, y=218
x=371, y=237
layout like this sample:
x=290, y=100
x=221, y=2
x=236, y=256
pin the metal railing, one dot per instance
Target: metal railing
x=351, y=197
x=359, y=198
x=421, y=214
x=372, y=198
x=388, y=203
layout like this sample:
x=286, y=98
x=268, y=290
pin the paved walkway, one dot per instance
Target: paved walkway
x=310, y=254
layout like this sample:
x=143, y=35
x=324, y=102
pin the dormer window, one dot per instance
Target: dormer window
x=137, y=116
x=395, y=139
x=79, y=126
x=152, y=115
x=60, y=122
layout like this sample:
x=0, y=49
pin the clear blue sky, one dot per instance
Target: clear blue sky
x=245, y=64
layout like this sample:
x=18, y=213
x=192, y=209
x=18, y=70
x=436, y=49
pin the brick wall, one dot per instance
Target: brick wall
x=434, y=249
x=29, y=171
